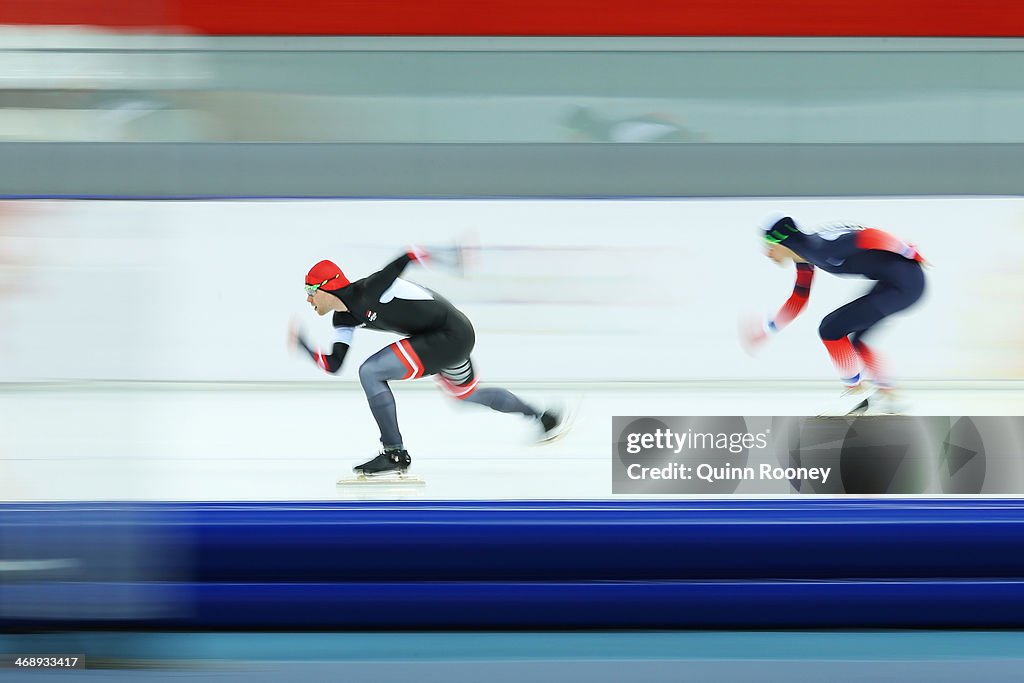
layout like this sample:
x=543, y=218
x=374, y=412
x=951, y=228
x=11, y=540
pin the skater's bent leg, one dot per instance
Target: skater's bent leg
x=374, y=375
x=845, y=359
x=873, y=363
x=501, y=400
x=460, y=382
x=835, y=331
x=902, y=289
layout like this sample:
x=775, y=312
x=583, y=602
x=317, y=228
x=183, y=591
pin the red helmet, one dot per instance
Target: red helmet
x=326, y=275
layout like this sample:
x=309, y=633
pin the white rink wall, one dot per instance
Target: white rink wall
x=559, y=290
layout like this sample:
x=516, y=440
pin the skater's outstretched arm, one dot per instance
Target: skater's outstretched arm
x=327, y=362
x=797, y=301
x=755, y=332
x=386, y=276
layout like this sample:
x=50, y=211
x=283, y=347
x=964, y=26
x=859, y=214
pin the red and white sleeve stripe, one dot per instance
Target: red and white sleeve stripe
x=797, y=301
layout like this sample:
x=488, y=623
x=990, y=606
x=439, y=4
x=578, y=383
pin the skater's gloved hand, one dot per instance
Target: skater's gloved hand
x=296, y=338
x=449, y=256
x=418, y=254
x=754, y=332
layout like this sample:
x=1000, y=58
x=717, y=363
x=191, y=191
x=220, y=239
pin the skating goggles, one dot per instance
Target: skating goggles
x=775, y=237
x=780, y=232
x=311, y=289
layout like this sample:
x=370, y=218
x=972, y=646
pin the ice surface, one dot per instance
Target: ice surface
x=280, y=441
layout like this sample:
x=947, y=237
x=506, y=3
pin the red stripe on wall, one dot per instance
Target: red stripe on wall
x=116, y=14
x=993, y=18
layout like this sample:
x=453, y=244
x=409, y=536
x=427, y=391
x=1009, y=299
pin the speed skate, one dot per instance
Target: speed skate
x=859, y=401
x=383, y=479
x=555, y=423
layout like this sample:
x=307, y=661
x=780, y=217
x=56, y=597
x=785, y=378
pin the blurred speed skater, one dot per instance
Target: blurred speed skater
x=438, y=340
x=852, y=251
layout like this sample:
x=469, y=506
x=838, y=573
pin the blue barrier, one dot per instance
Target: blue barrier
x=455, y=605
x=644, y=564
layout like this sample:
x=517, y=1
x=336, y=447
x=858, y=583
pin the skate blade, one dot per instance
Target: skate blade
x=882, y=411
x=859, y=409
x=386, y=479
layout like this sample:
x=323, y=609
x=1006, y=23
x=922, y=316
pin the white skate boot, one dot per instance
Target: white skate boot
x=887, y=402
x=854, y=400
